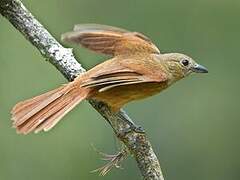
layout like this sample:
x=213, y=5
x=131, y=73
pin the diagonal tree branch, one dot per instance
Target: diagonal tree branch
x=63, y=59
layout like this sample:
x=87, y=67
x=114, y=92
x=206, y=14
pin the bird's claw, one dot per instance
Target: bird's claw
x=132, y=128
x=139, y=129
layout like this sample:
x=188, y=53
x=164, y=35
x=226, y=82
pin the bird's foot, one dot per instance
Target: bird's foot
x=130, y=129
x=138, y=129
x=132, y=126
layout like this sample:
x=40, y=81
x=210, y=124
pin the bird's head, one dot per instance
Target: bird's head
x=180, y=65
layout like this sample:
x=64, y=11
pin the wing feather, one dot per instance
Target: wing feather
x=92, y=26
x=119, y=84
x=110, y=40
x=107, y=81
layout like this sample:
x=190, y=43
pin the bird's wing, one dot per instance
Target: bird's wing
x=110, y=40
x=113, y=73
x=107, y=81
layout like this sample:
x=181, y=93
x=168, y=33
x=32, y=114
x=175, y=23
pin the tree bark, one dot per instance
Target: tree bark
x=63, y=59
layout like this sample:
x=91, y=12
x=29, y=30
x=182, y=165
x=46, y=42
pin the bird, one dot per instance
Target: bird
x=136, y=70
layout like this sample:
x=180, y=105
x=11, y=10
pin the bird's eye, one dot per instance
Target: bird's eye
x=185, y=62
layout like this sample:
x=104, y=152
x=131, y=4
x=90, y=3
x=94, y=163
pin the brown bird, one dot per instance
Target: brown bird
x=137, y=70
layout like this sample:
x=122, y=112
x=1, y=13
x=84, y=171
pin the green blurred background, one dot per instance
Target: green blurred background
x=193, y=126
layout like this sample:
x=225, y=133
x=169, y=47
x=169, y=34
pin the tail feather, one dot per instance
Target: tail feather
x=20, y=108
x=54, y=119
x=45, y=111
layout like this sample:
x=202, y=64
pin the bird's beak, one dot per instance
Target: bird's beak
x=199, y=69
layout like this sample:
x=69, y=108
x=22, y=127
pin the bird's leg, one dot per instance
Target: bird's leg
x=132, y=126
x=113, y=161
x=122, y=115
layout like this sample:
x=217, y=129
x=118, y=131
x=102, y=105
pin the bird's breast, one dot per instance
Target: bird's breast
x=118, y=96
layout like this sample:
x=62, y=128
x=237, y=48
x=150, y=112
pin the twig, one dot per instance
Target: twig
x=113, y=160
x=63, y=59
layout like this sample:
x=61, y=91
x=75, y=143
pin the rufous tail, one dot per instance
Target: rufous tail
x=45, y=111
